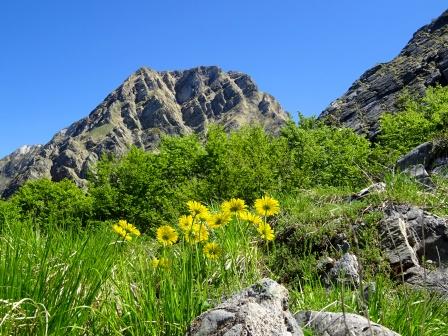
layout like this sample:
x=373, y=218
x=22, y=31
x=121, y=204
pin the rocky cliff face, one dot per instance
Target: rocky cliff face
x=146, y=105
x=422, y=63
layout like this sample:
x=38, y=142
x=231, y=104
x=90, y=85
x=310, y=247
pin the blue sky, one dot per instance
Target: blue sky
x=59, y=59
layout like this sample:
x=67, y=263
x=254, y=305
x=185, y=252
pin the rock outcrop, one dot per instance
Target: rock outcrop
x=343, y=271
x=146, y=105
x=429, y=158
x=260, y=310
x=422, y=63
x=340, y=324
x=413, y=239
x=346, y=271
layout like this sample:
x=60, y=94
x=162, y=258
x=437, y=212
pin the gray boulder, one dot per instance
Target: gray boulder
x=429, y=158
x=410, y=237
x=420, y=155
x=340, y=324
x=435, y=280
x=261, y=309
x=419, y=173
x=346, y=270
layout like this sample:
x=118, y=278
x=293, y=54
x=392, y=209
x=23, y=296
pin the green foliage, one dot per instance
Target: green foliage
x=404, y=310
x=420, y=120
x=148, y=188
x=49, y=284
x=326, y=156
x=60, y=203
x=9, y=212
x=314, y=222
x=247, y=163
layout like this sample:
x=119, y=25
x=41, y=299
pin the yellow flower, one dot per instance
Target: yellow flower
x=266, y=232
x=212, y=250
x=235, y=205
x=251, y=218
x=204, y=216
x=166, y=235
x=267, y=206
x=121, y=232
x=129, y=227
x=155, y=262
x=162, y=262
x=219, y=219
x=196, y=208
x=197, y=234
x=185, y=222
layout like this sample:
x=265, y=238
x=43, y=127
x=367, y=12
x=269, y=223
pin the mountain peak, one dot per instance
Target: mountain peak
x=147, y=104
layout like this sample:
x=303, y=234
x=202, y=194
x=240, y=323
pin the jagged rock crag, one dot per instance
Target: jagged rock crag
x=422, y=63
x=146, y=105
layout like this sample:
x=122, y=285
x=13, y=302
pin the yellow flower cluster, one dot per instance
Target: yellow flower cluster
x=198, y=226
x=265, y=231
x=251, y=218
x=125, y=230
x=264, y=207
x=195, y=228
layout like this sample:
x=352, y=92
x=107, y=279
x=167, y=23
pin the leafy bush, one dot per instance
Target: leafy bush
x=60, y=203
x=420, y=120
x=322, y=155
x=244, y=163
x=148, y=188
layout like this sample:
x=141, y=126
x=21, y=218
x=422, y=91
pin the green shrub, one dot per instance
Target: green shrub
x=148, y=188
x=9, y=212
x=322, y=155
x=53, y=203
x=245, y=163
x=418, y=121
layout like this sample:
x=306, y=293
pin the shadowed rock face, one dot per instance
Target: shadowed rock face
x=146, y=105
x=422, y=63
x=413, y=240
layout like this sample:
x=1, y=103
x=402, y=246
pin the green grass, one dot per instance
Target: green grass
x=89, y=282
x=93, y=283
x=404, y=310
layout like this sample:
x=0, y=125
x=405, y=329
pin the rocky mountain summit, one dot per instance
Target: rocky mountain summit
x=147, y=105
x=422, y=63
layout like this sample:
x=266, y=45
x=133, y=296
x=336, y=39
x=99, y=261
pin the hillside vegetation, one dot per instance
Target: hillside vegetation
x=134, y=255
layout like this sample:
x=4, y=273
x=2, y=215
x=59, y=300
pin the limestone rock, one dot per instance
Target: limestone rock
x=420, y=155
x=146, y=105
x=410, y=237
x=346, y=270
x=435, y=280
x=422, y=63
x=339, y=324
x=258, y=310
x=426, y=159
